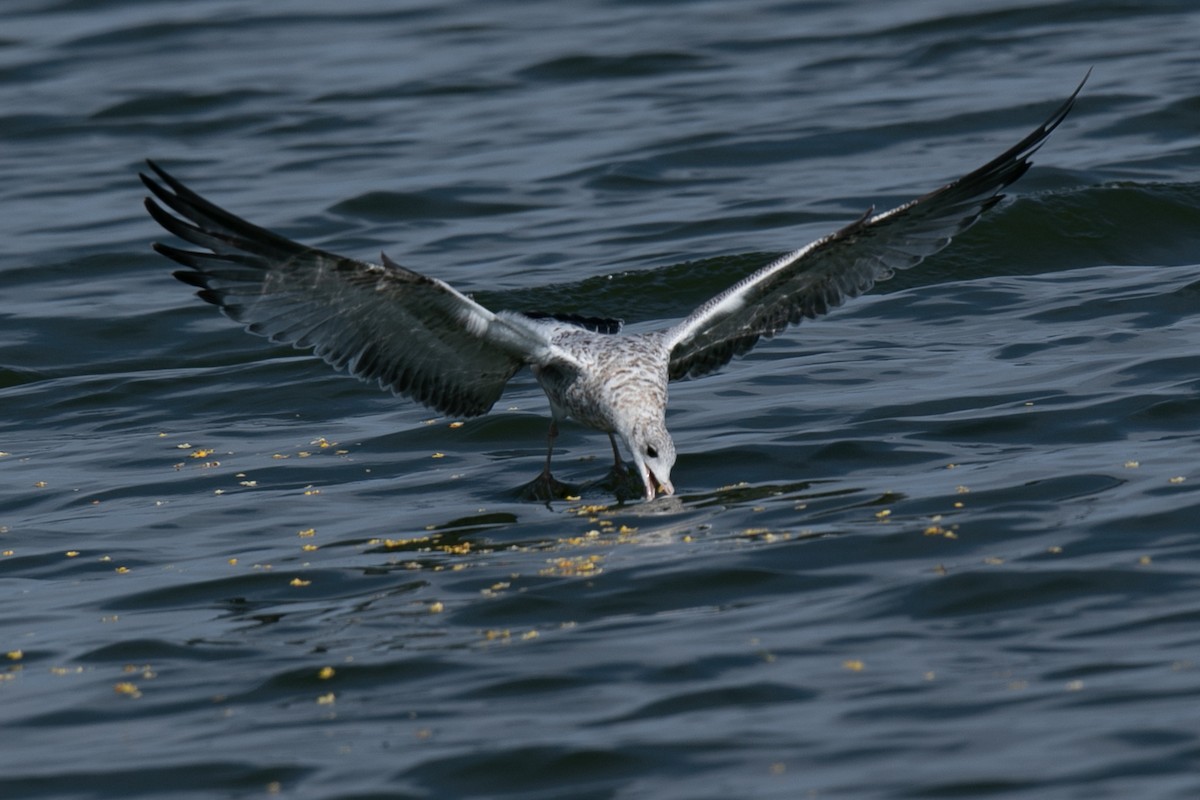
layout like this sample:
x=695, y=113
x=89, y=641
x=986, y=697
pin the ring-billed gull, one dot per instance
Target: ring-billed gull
x=421, y=338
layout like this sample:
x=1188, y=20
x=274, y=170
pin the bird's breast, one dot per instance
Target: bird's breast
x=613, y=378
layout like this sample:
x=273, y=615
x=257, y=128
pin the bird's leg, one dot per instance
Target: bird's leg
x=545, y=487
x=620, y=481
x=551, y=435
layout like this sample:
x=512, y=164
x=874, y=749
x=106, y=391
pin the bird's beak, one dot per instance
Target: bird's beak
x=652, y=481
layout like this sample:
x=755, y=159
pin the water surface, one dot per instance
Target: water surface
x=942, y=543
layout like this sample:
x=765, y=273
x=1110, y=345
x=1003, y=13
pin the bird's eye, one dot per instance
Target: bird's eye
x=652, y=451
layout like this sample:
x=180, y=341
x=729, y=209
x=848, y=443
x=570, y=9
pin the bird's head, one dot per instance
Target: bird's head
x=653, y=454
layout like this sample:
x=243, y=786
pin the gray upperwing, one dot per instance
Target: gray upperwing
x=410, y=333
x=810, y=281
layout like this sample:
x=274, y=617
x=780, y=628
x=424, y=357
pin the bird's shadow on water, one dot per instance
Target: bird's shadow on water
x=622, y=485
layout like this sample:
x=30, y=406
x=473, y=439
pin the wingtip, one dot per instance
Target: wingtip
x=190, y=277
x=159, y=190
x=162, y=175
x=153, y=166
x=1061, y=113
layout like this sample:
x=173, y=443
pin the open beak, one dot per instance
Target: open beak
x=651, y=482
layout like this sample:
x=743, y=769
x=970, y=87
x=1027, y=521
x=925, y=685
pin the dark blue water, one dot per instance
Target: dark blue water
x=943, y=543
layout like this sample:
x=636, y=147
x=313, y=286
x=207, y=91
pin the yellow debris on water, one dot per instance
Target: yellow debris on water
x=400, y=544
x=127, y=688
x=588, y=509
x=573, y=566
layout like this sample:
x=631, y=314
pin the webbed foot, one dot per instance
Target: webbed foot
x=624, y=483
x=545, y=488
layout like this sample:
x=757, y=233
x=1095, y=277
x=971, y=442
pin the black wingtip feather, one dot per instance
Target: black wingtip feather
x=206, y=219
x=173, y=224
x=185, y=257
x=191, y=278
x=217, y=299
x=1014, y=162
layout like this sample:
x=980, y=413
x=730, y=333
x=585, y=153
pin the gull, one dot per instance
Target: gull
x=420, y=338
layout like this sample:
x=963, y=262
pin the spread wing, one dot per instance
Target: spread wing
x=414, y=335
x=808, y=282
